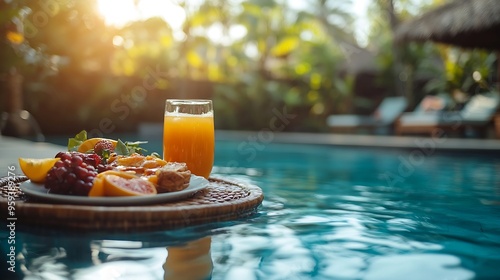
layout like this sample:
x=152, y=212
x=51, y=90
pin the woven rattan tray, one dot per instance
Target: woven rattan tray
x=222, y=200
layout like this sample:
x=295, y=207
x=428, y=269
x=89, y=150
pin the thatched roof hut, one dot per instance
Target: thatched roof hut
x=465, y=23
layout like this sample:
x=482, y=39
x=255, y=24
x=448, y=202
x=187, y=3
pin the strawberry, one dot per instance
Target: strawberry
x=103, y=145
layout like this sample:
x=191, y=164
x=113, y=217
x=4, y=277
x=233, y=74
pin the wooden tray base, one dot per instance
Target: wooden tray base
x=222, y=200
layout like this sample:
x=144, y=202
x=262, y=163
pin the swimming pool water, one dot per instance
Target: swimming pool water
x=328, y=213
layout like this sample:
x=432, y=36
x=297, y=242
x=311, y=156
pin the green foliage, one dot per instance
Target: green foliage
x=75, y=142
x=459, y=66
x=443, y=69
x=83, y=71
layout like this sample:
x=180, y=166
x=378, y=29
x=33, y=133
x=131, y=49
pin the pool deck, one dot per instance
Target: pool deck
x=12, y=148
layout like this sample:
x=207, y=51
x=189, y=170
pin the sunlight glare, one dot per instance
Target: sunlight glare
x=117, y=12
x=170, y=12
x=121, y=12
x=237, y=32
x=118, y=41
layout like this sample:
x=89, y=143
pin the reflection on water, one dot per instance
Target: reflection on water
x=189, y=261
x=45, y=264
x=327, y=214
x=116, y=259
x=410, y=267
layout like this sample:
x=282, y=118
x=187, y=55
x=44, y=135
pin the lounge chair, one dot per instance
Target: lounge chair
x=428, y=108
x=381, y=121
x=478, y=113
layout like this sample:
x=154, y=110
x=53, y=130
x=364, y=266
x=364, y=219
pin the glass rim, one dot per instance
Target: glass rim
x=188, y=101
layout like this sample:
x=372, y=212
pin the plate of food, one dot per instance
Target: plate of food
x=107, y=172
x=39, y=191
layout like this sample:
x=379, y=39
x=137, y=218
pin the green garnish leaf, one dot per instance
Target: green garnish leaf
x=155, y=154
x=75, y=142
x=128, y=148
x=121, y=148
x=136, y=143
x=134, y=147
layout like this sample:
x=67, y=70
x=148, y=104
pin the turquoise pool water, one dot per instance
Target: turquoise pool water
x=328, y=213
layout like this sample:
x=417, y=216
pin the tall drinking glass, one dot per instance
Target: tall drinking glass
x=188, y=134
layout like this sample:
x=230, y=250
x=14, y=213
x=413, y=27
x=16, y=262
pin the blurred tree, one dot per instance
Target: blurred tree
x=216, y=17
x=72, y=31
x=15, y=55
x=443, y=69
x=334, y=17
x=289, y=58
x=466, y=72
x=402, y=65
x=141, y=46
x=337, y=22
x=77, y=48
x=11, y=35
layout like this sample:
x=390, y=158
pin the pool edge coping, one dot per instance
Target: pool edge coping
x=363, y=141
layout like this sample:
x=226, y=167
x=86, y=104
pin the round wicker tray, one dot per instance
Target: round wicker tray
x=222, y=200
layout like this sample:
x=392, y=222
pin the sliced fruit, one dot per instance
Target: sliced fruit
x=153, y=179
x=98, y=185
x=97, y=188
x=124, y=174
x=153, y=162
x=132, y=160
x=36, y=169
x=90, y=143
x=126, y=184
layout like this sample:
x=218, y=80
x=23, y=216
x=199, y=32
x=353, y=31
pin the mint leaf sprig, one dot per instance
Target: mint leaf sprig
x=75, y=142
x=128, y=148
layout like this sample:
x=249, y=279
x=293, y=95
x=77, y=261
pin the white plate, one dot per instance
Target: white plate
x=39, y=191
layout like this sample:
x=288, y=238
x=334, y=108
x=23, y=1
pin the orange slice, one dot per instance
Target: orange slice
x=126, y=184
x=153, y=179
x=97, y=188
x=98, y=185
x=90, y=143
x=36, y=169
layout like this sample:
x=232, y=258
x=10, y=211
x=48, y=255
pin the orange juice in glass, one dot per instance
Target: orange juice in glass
x=188, y=134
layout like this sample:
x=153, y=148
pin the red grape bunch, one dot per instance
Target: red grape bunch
x=73, y=174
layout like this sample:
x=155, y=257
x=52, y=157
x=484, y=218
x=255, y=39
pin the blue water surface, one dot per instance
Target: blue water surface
x=329, y=213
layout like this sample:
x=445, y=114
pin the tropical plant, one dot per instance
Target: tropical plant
x=403, y=66
x=466, y=72
x=289, y=58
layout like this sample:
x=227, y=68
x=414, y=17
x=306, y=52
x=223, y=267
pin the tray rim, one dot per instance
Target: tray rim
x=28, y=188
